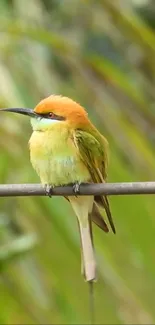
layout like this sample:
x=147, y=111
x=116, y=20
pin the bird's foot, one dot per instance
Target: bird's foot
x=76, y=188
x=48, y=190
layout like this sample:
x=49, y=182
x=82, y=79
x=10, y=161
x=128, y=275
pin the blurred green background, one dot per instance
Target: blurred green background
x=102, y=54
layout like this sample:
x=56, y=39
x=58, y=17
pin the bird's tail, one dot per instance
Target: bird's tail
x=83, y=207
x=88, y=259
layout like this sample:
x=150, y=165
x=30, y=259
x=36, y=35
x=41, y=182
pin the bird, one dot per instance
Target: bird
x=66, y=148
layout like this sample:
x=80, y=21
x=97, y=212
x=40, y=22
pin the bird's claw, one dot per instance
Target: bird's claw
x=76, y=188
x=48, y=190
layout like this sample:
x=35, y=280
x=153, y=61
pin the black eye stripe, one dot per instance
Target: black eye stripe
x=53, y=116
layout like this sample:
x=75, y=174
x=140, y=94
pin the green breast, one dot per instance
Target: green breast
x=56, y=159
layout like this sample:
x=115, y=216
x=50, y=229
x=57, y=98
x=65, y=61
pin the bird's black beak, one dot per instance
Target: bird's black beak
x=23, y=111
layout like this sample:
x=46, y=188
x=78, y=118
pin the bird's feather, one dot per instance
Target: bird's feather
x=94, y=155
x=98, y=219
x=82, y=207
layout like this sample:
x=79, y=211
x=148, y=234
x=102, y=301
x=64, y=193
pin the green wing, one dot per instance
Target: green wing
x=94, y=153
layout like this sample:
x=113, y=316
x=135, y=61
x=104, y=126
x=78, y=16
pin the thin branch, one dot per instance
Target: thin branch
x=85, y=189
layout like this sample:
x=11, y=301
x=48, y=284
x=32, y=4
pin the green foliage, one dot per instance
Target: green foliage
x=100, y=53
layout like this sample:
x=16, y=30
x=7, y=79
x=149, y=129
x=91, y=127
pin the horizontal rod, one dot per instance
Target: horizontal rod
x=85, y=189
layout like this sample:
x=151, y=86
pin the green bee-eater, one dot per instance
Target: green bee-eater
x=65, y=147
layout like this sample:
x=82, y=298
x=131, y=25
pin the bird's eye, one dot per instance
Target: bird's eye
x=51, y=115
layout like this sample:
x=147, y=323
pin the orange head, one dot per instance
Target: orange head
x=56, y=107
